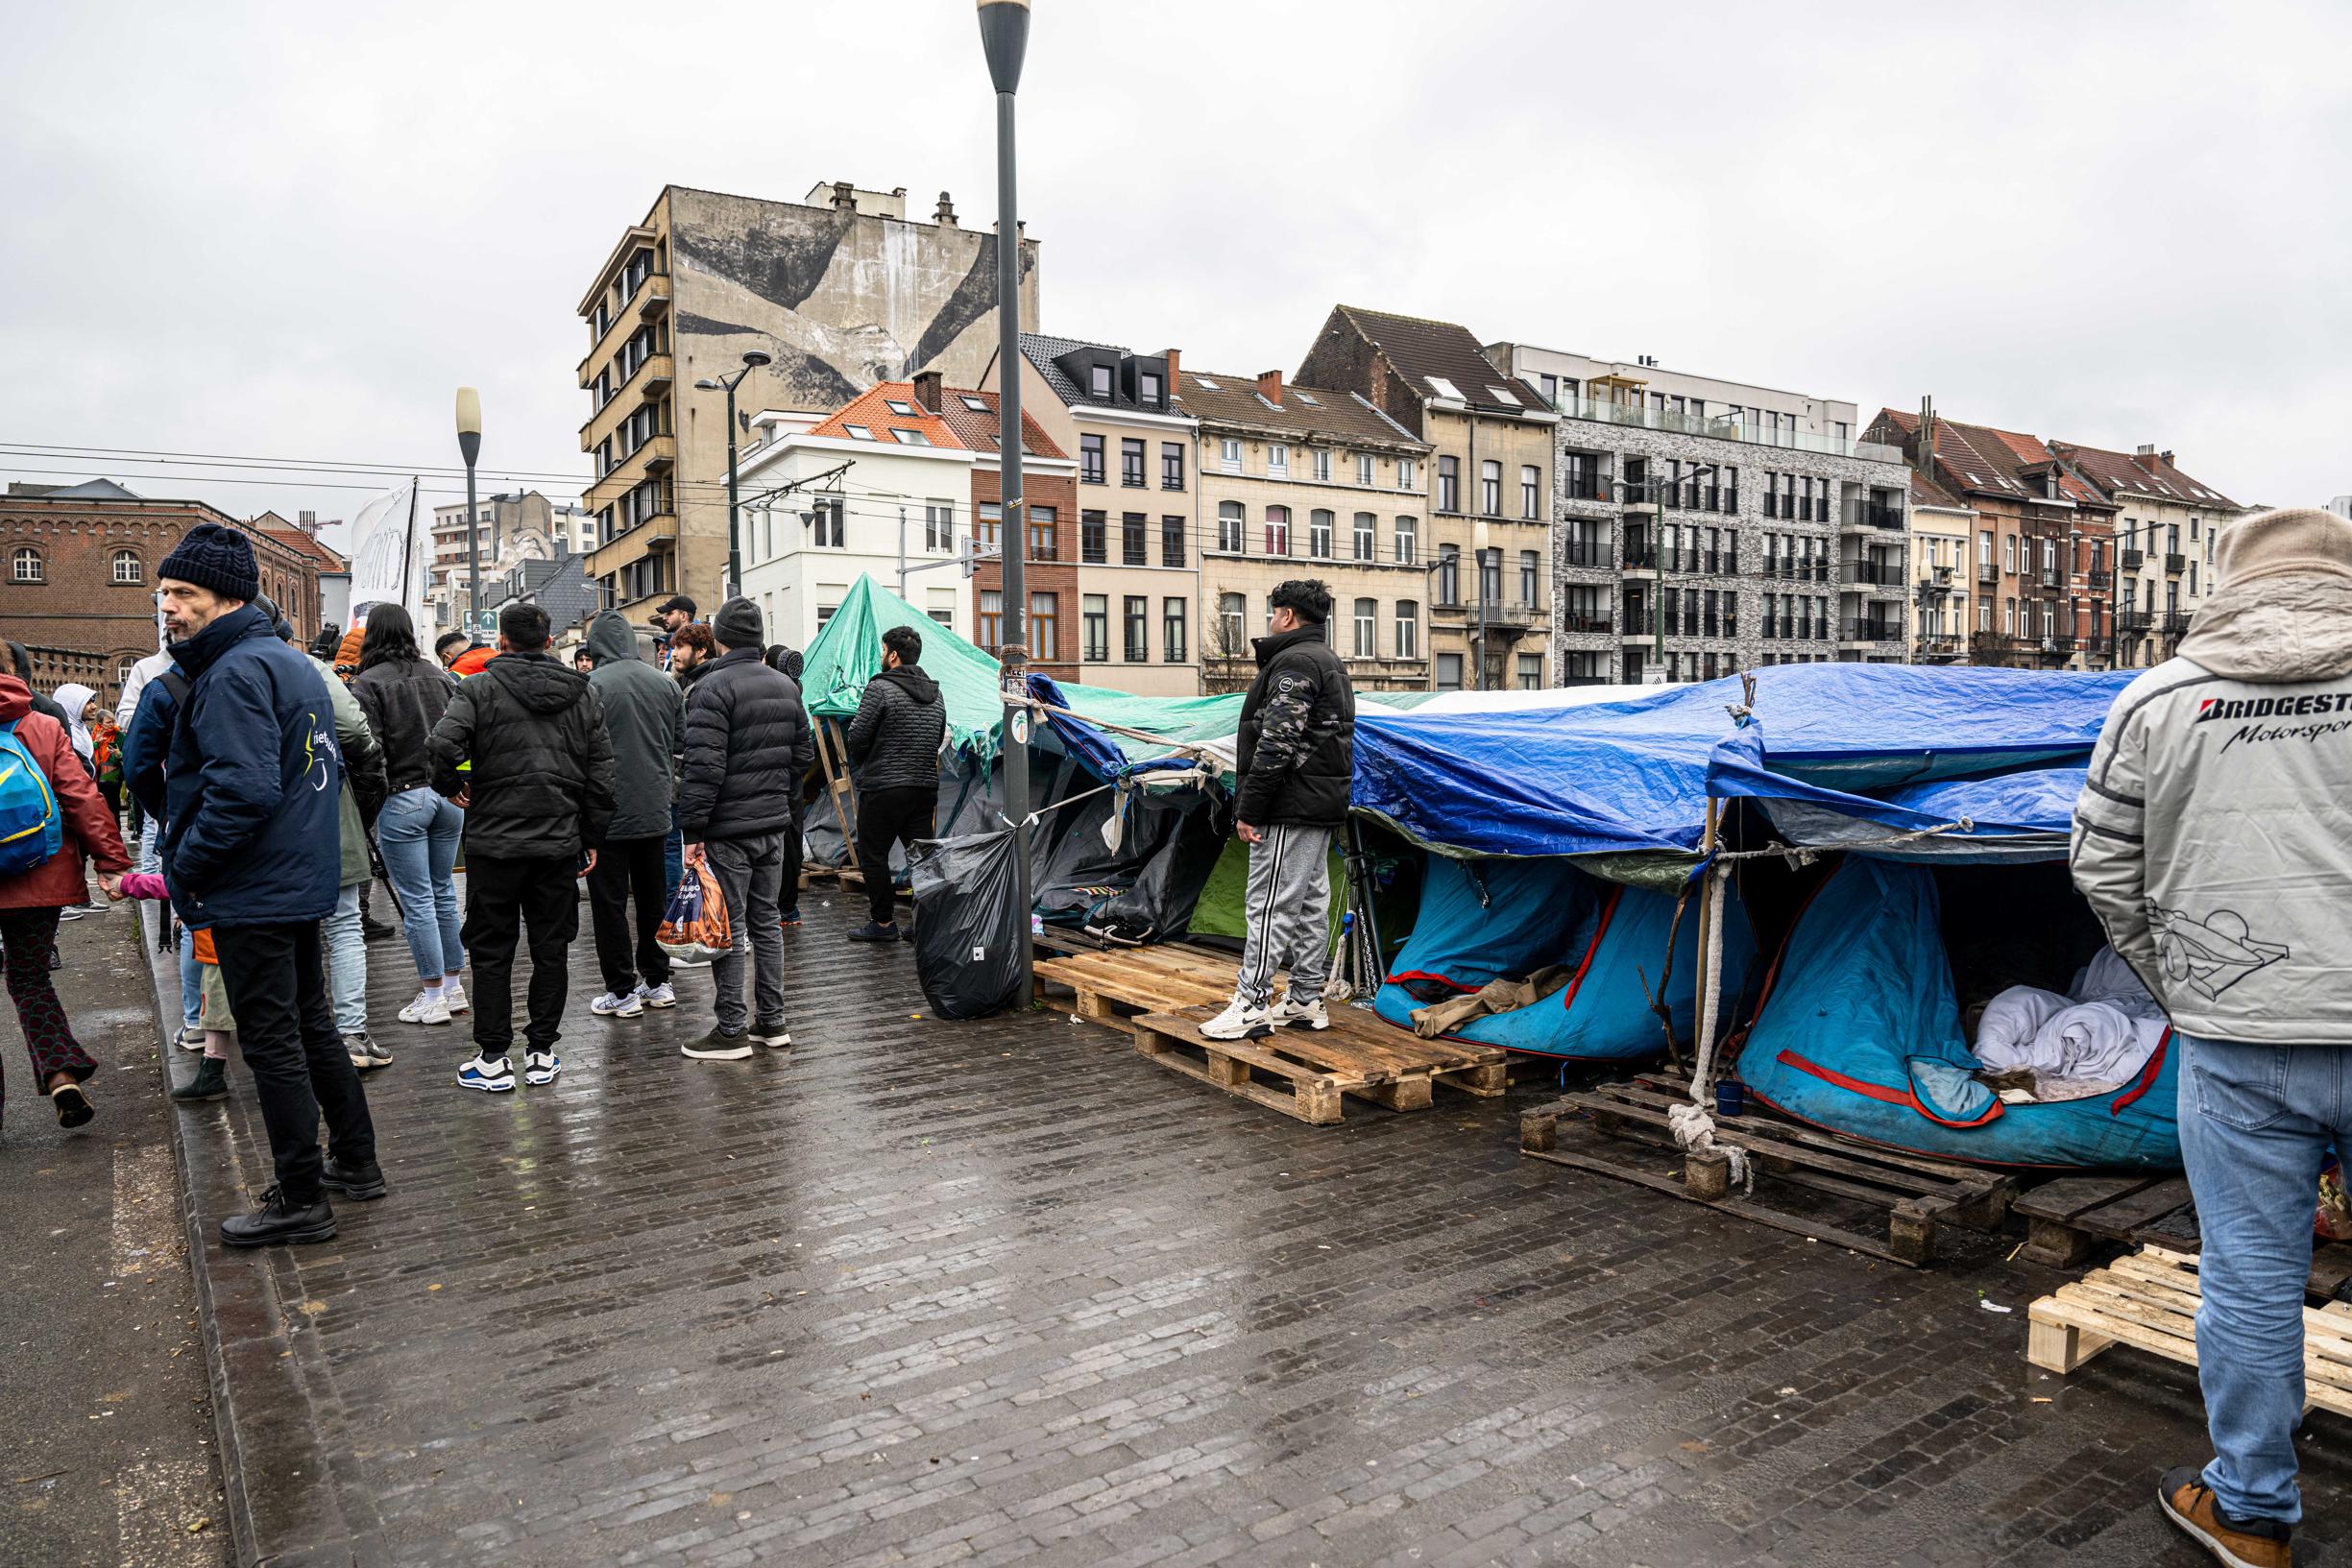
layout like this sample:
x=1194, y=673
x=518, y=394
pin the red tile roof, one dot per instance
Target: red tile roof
x=1996, y=462
x=871, y=411
x=2152, y=475
x=976, y=428
x=301, y=543
x=1433, y=357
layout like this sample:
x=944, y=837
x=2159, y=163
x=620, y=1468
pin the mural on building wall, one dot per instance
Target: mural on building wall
x=843, y=302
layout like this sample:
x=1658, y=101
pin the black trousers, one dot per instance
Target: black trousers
x=629, y=869
x=886, y=817
x=789, y=898
x=277, y=980
x=502, y=896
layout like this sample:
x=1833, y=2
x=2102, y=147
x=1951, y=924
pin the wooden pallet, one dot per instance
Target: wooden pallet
x=1112, y=985
x=2149, y=1300
x=2067, y=1218
x=1304, y=1073
x=1921, y=1195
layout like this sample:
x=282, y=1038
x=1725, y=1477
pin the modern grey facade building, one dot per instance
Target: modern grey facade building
x=1702, y=526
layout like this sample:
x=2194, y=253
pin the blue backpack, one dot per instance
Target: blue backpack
x=32, y=828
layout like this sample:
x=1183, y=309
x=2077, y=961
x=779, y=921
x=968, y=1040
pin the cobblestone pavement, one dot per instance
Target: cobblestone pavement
x=996, y=1292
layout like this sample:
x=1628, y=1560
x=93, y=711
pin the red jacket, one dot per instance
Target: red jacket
x=88, y=827
x=471, y=661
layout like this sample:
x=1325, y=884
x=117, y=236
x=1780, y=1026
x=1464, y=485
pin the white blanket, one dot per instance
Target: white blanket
x=2099, y=1036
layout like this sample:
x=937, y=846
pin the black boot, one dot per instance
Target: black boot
x=352, y=1179
x=211, y=1082
x=277, y=1224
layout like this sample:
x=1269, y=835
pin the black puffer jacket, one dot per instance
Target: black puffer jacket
x=1297, y=747
x=541, y=788
x=403, y=699
x=894, y=739
x=748, y=743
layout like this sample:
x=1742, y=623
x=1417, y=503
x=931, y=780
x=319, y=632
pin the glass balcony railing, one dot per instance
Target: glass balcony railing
x=1720, y=429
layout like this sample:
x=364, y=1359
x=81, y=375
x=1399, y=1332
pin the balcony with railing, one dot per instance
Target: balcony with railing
x=2133, y=560
x=1870, y=631
x=1575, y=625
x=2101, y=579
x=2128, y=620
x=1585, y=487
x=1937, y=647
x=2051, y=576
x=1869, y=573
x=1988, y=573
x=2174, y=564
x=2175, y=624
x=1874, y=514
x=1639, y=416
x=1587, y=553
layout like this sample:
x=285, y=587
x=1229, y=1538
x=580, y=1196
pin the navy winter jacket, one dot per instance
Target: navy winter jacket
x=253, y=781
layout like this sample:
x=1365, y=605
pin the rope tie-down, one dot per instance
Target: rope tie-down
x=1692, y=1127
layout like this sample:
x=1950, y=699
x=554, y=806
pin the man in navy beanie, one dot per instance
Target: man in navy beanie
x=251, y=853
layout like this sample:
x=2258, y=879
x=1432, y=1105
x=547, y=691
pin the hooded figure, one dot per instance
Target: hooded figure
x=75, y=700
x=42, y=702
x=646, y=714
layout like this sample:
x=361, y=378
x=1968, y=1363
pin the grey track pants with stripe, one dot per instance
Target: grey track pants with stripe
x=1289, y=923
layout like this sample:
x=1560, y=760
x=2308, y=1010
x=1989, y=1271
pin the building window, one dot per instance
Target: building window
x=1531, y=492
x=1229, y=455
x=1490, y=488
x=1041, y=534
x=829, y=529
x=2008, y=552
x=1172, y=465
x=1135, y=540
x=1090, y=460
x=1449, y=575
x=127, y=567
x=989, y=525
x=1368, y=536
x=1408, y=473
x=1408, y=629
x=1529, y=562
x=1277, y=530
x=1278, y=460
x=1449, y=672
x=1449, y=484
x=1232, y=623
x=1408, y=540
x=1363, y=470
x=1368, y=628
x=1321, y=459
x=1229, y=527
x=1171, y=541
x=1097, y=381
x=1042, y=607
x=1491, y=577
x=1174, y=639
x=26, y=567
x=1095, y=613
x=1318, y=534
x=1147, y=387
x=1130, y=463
x=938, y=525
x=1531, y=672
x=991, y=620
x=1138, y=624
x=1093, y=543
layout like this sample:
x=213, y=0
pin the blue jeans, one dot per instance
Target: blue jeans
x=2255, y=1121
x=191, y=976
x=347, y=963
x=418, y=832
x=673, y=852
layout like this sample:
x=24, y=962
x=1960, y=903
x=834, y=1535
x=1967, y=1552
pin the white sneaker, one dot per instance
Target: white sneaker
x=427, y=1008
x=1306, y=1015
x=496, y=1077
x=689, y=963
x=540, y=1067
x=191, y=1038
x=609, y=1006
x=454, y=996
x=1239, y=1021
x=657, y=996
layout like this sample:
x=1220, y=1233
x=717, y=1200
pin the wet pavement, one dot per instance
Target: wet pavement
x=105, y=1422
x=996, y=1293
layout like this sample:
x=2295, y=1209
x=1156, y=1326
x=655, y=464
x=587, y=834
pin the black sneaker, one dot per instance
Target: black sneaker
x=873, y=932
x=360, y=1182
x=279, y=1223
x=211, y=1082
x=718, y=1047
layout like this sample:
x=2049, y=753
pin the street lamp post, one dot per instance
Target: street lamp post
x=1004, y=35
x=753, y=359
x=470, y=446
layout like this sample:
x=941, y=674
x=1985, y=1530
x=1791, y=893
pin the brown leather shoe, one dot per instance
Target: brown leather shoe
x=2243, y=1543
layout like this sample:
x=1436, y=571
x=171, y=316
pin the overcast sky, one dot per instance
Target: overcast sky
x=290, y=232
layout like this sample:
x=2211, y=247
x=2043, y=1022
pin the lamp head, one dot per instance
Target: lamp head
x=706, y=384
x=754, y=358
x=1003, y=36
x=468, y=422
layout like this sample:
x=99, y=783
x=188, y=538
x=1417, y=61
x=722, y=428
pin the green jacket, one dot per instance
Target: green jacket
x=363, y=774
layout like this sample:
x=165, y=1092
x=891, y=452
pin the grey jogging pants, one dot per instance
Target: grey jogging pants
x=1288, y=913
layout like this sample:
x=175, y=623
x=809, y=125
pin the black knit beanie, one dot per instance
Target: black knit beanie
x=737, y=624
x=220, y=559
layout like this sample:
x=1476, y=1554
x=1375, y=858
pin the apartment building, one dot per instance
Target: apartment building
x=839, y=292
x=1706, y=526
x=2165, y=524
x=1490, y=482
x=510, y=528
x=1944, y=550
x=2044, y=562
x=1138, y=515
x=1311, y=482
x=880, y=484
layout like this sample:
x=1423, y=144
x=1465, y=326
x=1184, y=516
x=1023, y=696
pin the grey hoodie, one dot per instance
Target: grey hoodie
x=646, y=714
x=2214, y=837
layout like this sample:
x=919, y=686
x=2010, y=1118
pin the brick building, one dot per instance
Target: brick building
x=1049, y=488
x=78, y=585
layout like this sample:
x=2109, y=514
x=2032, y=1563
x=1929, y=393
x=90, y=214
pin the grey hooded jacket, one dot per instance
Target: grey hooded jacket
x=2214, y=837
x=646, y=714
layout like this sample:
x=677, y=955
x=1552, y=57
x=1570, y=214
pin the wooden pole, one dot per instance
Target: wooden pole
x=837, y=784
x=1705, y=1013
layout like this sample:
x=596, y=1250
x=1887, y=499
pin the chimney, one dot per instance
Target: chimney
x=1269, y=386
x=845, y=195
x=1175, y=364
x=2168, y=459
x=2147, y=449
x=927, y=390
x=945, y=214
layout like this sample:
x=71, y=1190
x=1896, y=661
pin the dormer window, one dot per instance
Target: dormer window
x=1097, y=381
x=1147, y=388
